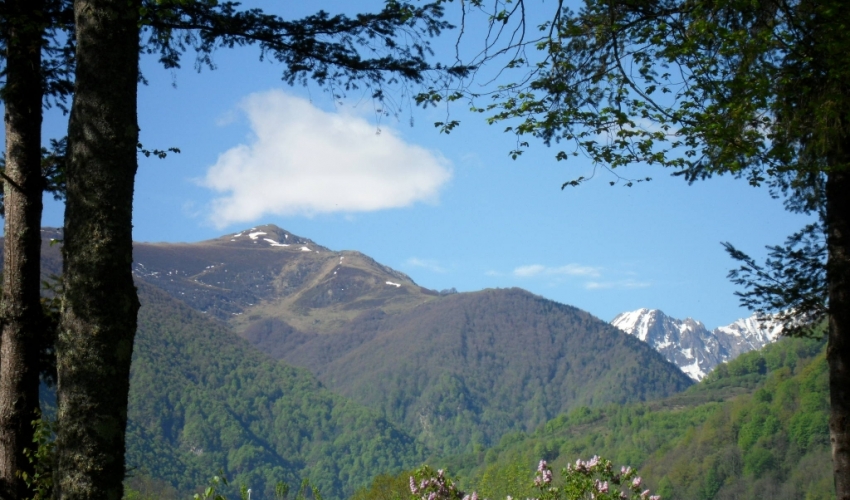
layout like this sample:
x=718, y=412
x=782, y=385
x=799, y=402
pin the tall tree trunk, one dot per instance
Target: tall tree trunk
x=100, y=304
x=838, y=349
x=20, y=315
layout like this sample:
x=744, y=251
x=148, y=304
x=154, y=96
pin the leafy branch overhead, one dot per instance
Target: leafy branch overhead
x=342, y=52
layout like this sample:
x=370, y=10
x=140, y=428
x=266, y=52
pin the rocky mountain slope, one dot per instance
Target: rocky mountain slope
x=267, y=272
x=690, y=345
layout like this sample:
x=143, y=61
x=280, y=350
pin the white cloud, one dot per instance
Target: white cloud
x=430, y=265
x=568, y=270
x=305, y=161
x=605, y=285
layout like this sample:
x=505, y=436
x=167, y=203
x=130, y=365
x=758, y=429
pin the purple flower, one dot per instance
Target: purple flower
x=602, y=487
x=541, y=466
x=636, y=482
x=581, y=466
x=625, y=470
x=593, y=462
x=413, y=488
x=644, y=494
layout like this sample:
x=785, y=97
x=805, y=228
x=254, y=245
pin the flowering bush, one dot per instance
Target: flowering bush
x=594, y=479
x=425, y=484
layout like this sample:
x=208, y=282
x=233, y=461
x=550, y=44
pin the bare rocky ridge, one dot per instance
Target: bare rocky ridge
x=267, y=272
x=690, y=345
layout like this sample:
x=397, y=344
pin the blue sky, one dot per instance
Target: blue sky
x=449, y=210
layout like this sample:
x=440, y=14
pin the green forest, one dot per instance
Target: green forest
x=203, y=400
x=755, y=428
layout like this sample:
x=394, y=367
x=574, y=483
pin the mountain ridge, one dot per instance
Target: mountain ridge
x=454, y=372
x=426, y=360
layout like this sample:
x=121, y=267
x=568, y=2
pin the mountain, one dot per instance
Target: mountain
x=267, y=272
x=457, y=370
x=689, y=345
x=203, y=400
x=461, y=370
x=441, y=373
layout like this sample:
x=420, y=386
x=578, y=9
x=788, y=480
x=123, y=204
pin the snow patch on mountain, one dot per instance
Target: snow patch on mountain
x=274, y=243
x=689, y=345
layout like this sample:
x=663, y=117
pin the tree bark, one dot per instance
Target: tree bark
x=838, y=349
x=20, y=314
x=99, y=308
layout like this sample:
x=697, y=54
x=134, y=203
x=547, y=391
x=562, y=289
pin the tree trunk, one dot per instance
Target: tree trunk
x=100, y=304
x=838, y=349
x=20, y=314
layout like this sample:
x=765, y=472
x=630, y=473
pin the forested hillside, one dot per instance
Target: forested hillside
x=202, y=400
x=462, y=370
x=754, y=429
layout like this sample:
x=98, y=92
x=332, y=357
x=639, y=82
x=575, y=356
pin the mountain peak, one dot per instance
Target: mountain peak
x=689, y=344
x=270, y=235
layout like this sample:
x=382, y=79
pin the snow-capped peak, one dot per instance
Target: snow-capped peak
x=635, y=322
x=756, y=328
x=689, y=345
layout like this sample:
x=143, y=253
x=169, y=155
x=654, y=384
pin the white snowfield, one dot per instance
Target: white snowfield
x=397, y=285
